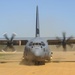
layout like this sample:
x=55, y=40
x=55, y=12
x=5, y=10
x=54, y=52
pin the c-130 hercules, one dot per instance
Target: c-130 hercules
x=37, y=49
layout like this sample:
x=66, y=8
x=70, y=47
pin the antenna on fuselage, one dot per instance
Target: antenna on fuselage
x=37, y=23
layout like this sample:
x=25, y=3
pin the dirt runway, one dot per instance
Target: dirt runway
x=63, y=63
x=62, y=68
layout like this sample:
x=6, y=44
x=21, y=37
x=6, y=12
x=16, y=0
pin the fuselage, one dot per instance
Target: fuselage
x=37, y=49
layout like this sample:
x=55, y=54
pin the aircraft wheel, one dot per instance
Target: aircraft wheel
x=36, y=62
x=42, y=62
x=39, y=62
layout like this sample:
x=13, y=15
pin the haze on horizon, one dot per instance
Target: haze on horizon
x=20, y=16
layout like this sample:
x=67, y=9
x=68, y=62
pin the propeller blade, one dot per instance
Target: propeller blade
x=71, y=37
x=13, y=49
x=70, y=45
x=9, y=42
x=64, y=36
x=4, y=49
x=58, y=39
x=13, y=35
x=58, y=46
x=64, y=49
x=64, y=42
x=64, y=45
x=5, y=35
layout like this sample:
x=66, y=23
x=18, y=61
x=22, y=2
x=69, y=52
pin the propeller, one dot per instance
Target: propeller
x=65, y=41
x=9, y=43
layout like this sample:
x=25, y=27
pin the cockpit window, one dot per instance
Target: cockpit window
x=31, y=43
x=36, y=43
x=42, y=43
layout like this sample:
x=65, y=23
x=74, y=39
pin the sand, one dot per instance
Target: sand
x=62, y=68
x=63, y=63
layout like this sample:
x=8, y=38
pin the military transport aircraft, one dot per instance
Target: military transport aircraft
x=37, y=49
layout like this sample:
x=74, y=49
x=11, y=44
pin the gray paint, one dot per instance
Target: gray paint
x=37, y=48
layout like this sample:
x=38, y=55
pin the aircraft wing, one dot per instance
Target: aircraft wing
x=24, y=40
x=16, y=41
x=54, y=41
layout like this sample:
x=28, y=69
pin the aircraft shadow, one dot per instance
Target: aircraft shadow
x=30, y=63
x=26, y=62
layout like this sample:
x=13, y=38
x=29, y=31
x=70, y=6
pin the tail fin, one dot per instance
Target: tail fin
x=37, y=23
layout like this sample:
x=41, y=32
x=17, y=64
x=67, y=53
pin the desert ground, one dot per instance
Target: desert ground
x=63, y=63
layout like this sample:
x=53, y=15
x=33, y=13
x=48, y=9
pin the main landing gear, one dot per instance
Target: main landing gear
x=39, y=62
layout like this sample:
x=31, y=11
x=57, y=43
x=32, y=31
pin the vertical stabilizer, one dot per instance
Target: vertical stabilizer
x=37, y=23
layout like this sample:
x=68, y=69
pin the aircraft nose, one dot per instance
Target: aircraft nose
x=37, y=52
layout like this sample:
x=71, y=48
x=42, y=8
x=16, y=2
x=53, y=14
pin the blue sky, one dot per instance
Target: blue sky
x=56, y=16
